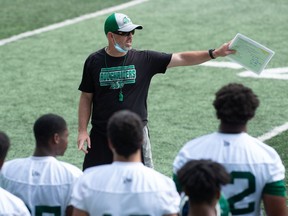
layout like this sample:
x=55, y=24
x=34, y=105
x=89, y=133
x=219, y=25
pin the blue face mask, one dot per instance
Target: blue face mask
x=118, y=47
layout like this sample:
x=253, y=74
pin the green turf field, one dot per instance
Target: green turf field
x=41, y=74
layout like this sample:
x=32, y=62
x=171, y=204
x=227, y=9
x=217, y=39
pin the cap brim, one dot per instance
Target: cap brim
x=130, y=28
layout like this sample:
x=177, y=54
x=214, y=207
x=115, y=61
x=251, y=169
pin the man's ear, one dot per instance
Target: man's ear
x=110, y=36
x=56, y=138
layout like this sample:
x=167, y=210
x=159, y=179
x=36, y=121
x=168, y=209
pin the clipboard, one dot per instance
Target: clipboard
x=250, y=54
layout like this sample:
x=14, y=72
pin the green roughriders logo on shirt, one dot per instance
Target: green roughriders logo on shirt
x=117, y=77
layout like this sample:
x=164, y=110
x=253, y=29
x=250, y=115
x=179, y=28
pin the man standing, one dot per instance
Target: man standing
x=125, y=187
x=41, y=181
x=117, y=77
x=256, y=170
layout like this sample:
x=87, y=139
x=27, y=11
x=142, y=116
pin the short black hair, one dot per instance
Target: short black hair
x=125, y=130
x=4, y=145
x=202, y=179
x=235, y=104
x=46, y=126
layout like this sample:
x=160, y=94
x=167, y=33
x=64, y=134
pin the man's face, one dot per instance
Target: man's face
x=124, y=39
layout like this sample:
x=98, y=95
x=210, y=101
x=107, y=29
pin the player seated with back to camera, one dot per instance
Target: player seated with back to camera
x=9, y=203
x=256, y=170
x=125, y=187
x=201, y=182
x=41, y=181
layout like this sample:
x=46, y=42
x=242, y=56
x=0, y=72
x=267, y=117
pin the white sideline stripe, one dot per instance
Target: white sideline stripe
x=69, y=22
x=276, y=131
x=273, y=73
x=222, y=64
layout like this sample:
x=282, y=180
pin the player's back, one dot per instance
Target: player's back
x=251, y=163
x=43, y=183
x=125, y=188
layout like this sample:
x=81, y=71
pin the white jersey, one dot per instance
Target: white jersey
x=43, y=183
x=251, y=163
x=123, y=189
x=11, y=205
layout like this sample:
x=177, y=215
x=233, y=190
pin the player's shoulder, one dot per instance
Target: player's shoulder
x=71, y=168
x=263, y=150
x=158, y=178
x=200, y=140
x=197, y=146
x=15, y=161
x=14, y=164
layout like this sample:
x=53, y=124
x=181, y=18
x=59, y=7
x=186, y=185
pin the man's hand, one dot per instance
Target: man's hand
x=82, y=138
x=223, y=50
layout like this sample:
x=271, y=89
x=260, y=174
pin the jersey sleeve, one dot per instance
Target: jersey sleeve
x=158, y=61
x=275, y=188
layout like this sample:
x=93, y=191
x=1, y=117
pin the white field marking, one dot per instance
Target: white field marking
x=274, y=73
x=222, y=64
x=70, y=22
x=274, y=132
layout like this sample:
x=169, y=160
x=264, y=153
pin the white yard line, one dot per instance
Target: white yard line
x=274, y=132
x=70, y=22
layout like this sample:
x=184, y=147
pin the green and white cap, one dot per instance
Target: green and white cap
x=119, y=22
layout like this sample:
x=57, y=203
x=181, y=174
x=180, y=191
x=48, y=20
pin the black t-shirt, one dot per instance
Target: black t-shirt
x=119, y=83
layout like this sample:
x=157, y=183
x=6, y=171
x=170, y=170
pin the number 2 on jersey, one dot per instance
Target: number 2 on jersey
x=240, y=196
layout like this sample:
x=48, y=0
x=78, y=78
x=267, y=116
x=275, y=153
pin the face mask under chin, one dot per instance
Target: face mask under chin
x=119, y=48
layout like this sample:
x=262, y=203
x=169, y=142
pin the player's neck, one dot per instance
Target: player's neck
x=132, y=158
x=202, y=209
x=43, y=152
x=230, y=128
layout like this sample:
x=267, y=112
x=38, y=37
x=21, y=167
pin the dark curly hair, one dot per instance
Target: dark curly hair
x=125, y=130
x=235, y=104
x=201, y=180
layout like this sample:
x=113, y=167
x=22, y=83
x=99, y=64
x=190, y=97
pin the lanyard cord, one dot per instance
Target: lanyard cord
x=121, y=96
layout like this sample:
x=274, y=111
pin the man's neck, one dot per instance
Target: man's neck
x=132, y=158
x=230, y=128
x=113, y=52
x=42, y=152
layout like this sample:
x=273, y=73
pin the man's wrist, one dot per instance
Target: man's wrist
x=211, y=53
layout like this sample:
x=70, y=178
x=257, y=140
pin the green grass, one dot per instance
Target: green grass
x=41, y=74
x=19, y=16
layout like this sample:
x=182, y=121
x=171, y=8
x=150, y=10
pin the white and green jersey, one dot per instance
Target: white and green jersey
x=43, y=183
x=11, y=205
x=255, y=168
x=125, y=188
